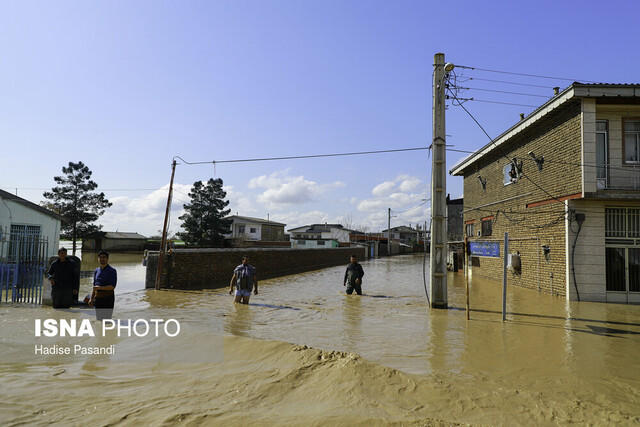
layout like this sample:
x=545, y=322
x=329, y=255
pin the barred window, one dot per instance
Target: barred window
x=622, y=222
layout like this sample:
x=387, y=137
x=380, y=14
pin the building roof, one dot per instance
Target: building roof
x=24, y=202
x=118, y=235
x=318, y=228
x=403, y=229
x=608, y=92
x=256, y=220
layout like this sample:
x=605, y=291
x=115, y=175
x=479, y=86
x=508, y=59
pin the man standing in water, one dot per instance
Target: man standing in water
x=353, y=276
x=245, y=279
x=64, y=279
x=105, y=279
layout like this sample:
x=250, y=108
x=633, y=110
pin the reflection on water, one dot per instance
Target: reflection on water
x=549, y=353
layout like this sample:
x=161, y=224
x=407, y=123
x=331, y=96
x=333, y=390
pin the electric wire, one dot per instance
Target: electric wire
x=525, y=74
x=311, y=156
x=505, y=91
x=510, y=83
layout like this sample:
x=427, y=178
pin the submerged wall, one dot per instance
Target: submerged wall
x=213, y=268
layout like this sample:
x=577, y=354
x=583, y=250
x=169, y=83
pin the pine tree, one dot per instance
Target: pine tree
x=204, y=218
x=74, y=199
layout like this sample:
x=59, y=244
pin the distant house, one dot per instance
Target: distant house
x=403, y=234
x=114, y=241
x=256, y=229
x=20, y=216
x=319, y=235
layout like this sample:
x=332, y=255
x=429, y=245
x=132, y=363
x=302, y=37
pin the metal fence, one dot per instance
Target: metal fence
x=23, y=262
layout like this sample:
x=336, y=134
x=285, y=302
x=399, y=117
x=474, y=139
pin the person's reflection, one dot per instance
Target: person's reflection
x=239, y=320
x=352, y=325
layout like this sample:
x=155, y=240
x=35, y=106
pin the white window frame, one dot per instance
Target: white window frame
x=627, y=141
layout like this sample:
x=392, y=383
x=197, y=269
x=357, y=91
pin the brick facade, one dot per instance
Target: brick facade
x=213, y=268
x=530, y=214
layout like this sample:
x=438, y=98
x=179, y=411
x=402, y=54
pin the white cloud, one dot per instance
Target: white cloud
x=404, y=195
x=383, y=189
x=282, y=190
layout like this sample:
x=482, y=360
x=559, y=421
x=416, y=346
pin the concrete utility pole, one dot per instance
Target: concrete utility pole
x=438, y=256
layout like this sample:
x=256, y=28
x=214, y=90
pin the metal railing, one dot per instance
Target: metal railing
x=618, y=177
x=23, y=262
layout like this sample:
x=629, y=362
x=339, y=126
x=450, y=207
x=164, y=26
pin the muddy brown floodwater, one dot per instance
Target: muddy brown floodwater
x=304, y=353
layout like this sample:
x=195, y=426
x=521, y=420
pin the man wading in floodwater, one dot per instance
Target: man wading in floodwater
x=245, y=279
x=105, y=279
x=353, y=276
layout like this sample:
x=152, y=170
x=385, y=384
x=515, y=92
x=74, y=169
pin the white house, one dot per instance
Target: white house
x=255, y=229
x=20, y=216
x=315, y=234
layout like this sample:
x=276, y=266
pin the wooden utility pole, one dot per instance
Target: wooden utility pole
x=163, y=242
x=438, y=256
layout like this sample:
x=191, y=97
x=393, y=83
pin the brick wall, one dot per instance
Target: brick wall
x=213, y=268
x=558, y=139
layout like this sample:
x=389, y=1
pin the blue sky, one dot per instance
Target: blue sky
x=126, y=86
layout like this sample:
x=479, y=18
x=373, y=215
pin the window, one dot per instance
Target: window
x=24, y=242
x=617, y=260
x=509, y=172
x=487, y=226
x=320, y=242
x=302, y=242
x=241, y=229
x=252, y=230
x=622, y=227
x=602, y=152
x=622, y=222
x=632, y=141
x=469, y=230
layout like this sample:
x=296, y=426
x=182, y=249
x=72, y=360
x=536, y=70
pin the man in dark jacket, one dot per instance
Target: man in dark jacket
x=64, y=280
x=353, y=277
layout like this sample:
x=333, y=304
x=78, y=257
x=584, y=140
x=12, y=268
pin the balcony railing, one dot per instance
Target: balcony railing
x=618, y=177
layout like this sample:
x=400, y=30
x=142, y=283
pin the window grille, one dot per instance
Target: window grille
x=622, y=222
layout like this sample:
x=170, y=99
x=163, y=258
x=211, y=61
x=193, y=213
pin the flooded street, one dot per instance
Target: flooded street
x=303, y=352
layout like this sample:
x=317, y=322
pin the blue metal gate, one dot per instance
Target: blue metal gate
x=23, y=262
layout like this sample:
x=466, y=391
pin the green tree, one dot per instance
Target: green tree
x=204, y=218
x=74, y=199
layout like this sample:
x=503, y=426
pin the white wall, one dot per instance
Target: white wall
x=15, y=213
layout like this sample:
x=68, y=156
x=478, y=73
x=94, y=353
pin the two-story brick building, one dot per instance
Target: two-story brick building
x=565, y=183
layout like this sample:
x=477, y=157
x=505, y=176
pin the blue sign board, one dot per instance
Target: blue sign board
x=490, y=249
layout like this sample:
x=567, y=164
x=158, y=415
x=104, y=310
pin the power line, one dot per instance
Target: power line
x=504, y=91
x=494, y=102
x=312, y=156
x=510, y=83
x=525, y=75
x=410, y=209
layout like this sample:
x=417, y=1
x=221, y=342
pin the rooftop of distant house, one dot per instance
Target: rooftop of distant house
x=255, y=220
